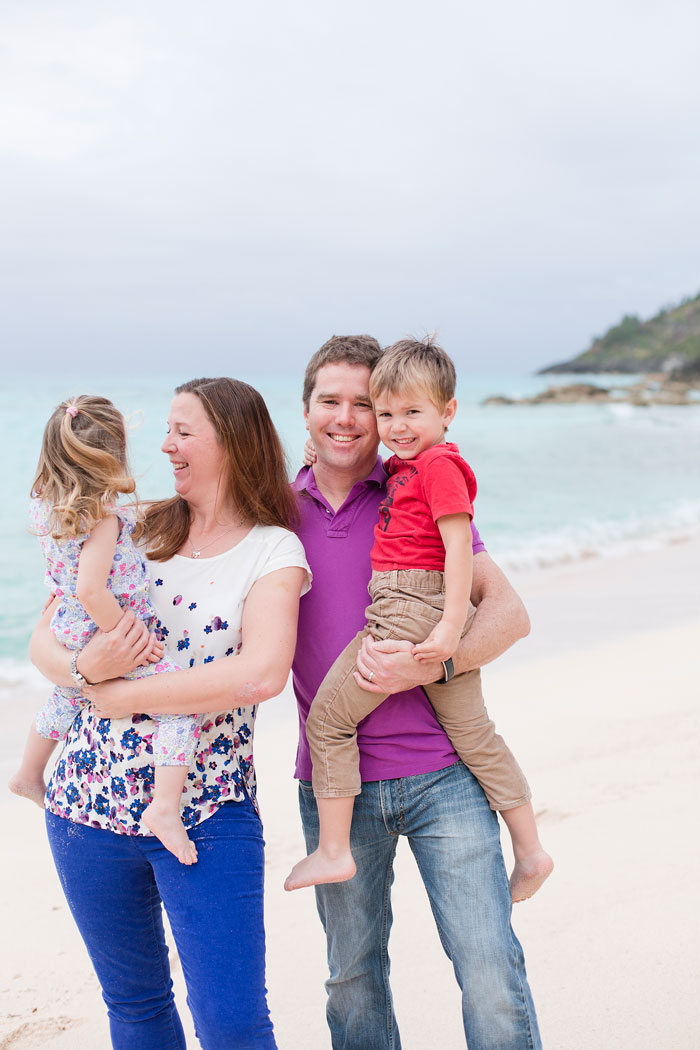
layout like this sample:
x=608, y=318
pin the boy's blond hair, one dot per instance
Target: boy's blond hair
x=83, y=466
x=414, y=364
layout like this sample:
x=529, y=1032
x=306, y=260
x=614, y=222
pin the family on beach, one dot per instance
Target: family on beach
x=153, y=797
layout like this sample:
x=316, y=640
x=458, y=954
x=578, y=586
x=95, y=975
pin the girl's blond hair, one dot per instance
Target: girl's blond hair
x=83, y=466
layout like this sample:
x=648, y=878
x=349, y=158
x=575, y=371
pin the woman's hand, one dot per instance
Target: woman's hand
x=105, y=656
x=257, y=673
x=111, y=699
x=113, y=654
x=153, y=652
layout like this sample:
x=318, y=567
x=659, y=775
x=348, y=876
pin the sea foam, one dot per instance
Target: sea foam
x=601, y=539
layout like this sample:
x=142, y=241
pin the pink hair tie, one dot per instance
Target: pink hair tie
x=72, y=410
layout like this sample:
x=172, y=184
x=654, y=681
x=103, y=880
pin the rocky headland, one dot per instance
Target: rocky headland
x=651, y=390
x=668, y=343
x=664, y=350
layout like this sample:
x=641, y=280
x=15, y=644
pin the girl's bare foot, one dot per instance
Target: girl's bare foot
x=166, y=825
x=529, y=873
x=29, y=787
x=319, y=867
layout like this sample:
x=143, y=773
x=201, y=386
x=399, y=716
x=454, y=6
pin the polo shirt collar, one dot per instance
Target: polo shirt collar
x=305, y=481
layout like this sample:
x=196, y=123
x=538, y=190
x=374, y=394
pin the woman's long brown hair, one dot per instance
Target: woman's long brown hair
x=254, y=470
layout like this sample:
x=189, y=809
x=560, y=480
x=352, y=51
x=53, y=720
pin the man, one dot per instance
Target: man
x=413, y=782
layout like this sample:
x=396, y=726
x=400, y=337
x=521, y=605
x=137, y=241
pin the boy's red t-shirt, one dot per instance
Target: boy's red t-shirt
x=419, y=491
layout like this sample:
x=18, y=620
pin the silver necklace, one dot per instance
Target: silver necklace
x=196, y=551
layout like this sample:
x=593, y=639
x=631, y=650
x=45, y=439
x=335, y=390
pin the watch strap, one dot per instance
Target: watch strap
x=79, y=680
x=449, y=669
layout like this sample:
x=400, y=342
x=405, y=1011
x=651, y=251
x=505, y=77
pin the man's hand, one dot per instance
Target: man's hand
x=111, y=699
x=390, y=667
x=500, y=621
x=111, y=655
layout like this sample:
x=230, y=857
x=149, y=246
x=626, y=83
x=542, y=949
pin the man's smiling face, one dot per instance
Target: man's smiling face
x=340, y=420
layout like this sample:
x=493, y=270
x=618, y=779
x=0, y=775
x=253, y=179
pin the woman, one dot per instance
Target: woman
x=226, y=577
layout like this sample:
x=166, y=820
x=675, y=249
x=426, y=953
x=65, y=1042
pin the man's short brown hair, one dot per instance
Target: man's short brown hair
x=415, y=364
x=345, y=349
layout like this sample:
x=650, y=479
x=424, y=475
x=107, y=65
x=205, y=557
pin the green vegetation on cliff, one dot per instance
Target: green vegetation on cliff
x=669, y=342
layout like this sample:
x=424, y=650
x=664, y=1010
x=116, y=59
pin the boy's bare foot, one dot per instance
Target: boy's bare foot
x=318, y=867
x=32, y=788
x=166, y=825
x=528, y=875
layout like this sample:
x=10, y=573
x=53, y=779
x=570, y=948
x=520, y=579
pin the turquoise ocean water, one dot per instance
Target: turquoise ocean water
x=556, y=483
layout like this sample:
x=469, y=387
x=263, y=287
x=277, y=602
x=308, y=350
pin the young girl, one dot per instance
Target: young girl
x=96, y=572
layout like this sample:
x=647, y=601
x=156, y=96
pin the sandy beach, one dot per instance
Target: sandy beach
x=600, y=704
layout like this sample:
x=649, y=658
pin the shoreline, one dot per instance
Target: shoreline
x=600, y=706
x=594, y=600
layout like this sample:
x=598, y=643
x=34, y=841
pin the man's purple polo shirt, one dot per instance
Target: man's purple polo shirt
x=402, y=737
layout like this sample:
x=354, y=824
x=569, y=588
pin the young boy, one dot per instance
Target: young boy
x=420, y=586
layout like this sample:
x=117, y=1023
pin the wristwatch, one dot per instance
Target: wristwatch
x=79, y=680
x=449, y=671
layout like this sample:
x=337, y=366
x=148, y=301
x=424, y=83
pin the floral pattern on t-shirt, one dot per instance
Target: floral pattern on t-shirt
x=104, y=774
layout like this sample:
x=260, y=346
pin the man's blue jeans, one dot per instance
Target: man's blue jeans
x=114, y=885
x=454, y=837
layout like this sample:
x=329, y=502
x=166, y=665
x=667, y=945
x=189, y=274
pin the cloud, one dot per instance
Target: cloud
x=518, y=175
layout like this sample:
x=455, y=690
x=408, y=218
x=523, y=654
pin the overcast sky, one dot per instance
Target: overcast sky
x=220, y=183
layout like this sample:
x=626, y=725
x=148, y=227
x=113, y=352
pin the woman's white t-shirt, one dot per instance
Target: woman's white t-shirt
x=104, y=775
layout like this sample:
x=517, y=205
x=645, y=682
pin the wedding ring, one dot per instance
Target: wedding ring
x=370, y=676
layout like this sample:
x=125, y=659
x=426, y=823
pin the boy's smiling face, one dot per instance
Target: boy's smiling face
x=409, y=423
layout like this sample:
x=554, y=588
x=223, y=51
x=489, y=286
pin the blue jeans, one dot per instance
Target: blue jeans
x=114, y=885
x=455, y=839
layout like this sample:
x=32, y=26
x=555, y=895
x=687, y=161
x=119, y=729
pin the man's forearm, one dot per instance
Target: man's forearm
x=501, y=618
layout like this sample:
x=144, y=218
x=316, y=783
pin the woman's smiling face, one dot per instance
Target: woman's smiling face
x=194, y=450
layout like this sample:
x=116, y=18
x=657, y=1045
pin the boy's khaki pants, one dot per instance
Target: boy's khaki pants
x=407, y=604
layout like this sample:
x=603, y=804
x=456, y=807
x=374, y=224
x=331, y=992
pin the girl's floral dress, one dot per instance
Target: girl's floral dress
x=104, y=774
x=174, y=735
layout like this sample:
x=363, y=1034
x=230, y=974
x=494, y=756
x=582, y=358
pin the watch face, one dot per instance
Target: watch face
x=75, y=673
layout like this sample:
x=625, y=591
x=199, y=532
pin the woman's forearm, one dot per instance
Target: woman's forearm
x=105, y=656
x=232, y=681
x=257, y=673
